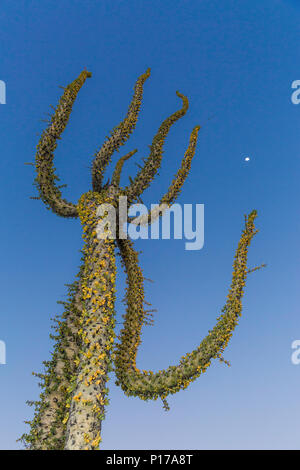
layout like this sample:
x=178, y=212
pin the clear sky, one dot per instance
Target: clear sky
x=236, y=62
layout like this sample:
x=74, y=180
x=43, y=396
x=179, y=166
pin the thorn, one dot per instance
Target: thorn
x=208, y=119
x=221, y=359
x=165, y=404
x=138, y=165
x=256, y=268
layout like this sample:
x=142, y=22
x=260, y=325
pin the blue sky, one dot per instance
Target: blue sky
x=236, y=62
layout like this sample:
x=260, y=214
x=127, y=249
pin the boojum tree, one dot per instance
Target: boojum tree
x=72, y=404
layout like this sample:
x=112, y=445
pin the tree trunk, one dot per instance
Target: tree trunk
x=97, y=332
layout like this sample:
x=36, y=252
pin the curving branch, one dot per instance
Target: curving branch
x=119, y=134
x=119, y=166
x=46, y=178
x=149, y=385
x=173, y=192
x=153, y=162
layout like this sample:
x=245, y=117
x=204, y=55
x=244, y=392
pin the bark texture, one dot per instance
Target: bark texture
x=96, y=331
x=47, y=426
